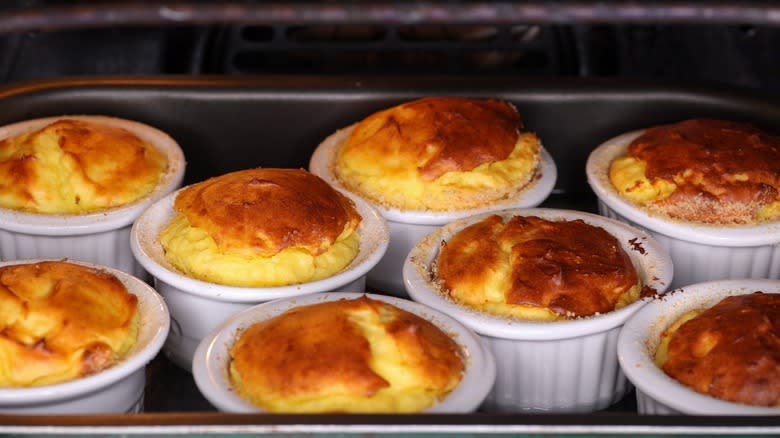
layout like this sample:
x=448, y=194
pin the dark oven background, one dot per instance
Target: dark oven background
x=653, y=45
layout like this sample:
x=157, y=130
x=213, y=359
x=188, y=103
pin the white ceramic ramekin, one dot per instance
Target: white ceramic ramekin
x=700, y=252
x=197, y=307
x=656, y=392
x=210, y=366
x=118, y=389
x=102, y=237
x=409, y=226
x=559, y=366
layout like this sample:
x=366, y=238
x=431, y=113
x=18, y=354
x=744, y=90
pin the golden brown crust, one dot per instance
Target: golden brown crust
x=54, y=310
x=315, y=350
x=19, y=175
x=731, y=351
x=438, y=154
x=441, y=134
x=569, y=267
x=265, y=210
x=94, y=145
x=725, y=172
x=297, y=353
x=108, y=165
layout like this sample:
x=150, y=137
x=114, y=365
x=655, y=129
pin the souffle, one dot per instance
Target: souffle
x=532, y=268
x=60, y=321
x=729, y=351
x=701, y=170
x=350, y=355
x=75, y=167
x=262, y=227
x=439, y=154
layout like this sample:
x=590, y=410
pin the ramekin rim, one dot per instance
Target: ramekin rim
x=150, y=303
x=103, y=220
x=639, y=367
x=532, y=195
x=213, y=384
x=656, y=265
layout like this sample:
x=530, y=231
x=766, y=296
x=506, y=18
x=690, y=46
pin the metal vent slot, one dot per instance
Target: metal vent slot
x=448, y=33
x=330, y=34
x=417, y=49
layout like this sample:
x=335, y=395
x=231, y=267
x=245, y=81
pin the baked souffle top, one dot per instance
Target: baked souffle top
x=439, y=153
x=60, y=321
x=262, y=227
x=730, y=351
x=703, y=170
x=73, y=166
x=533, y=268
x=356, y=355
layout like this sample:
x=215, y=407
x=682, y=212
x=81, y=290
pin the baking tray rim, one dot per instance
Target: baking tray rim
x=525, y=423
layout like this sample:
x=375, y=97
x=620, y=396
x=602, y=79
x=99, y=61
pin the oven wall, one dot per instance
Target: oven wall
x=744, y=56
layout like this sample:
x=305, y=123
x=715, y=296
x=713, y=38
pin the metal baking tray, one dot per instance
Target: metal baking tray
x=230, y=123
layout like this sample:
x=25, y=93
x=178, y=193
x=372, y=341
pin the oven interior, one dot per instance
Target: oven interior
x=293, y=67
x=735, y=54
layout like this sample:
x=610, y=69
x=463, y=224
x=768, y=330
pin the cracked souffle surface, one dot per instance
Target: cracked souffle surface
x=262, y=227
x=60, y=321
x=703, y=170
x=532, y=268
x=730, y=351
x=351, y=355
x=439, y=153
x=73, y=166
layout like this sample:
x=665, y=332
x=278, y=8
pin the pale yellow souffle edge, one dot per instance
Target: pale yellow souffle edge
x=488, y=182
x=192, y=251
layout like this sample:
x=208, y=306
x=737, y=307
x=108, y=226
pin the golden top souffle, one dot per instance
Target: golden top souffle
x=74, y=167
x=532, y=268
x=730, y=351
x=439, y=153
x=262, y=227
x=60, y=321
x=359, y=355
x=703, y=170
